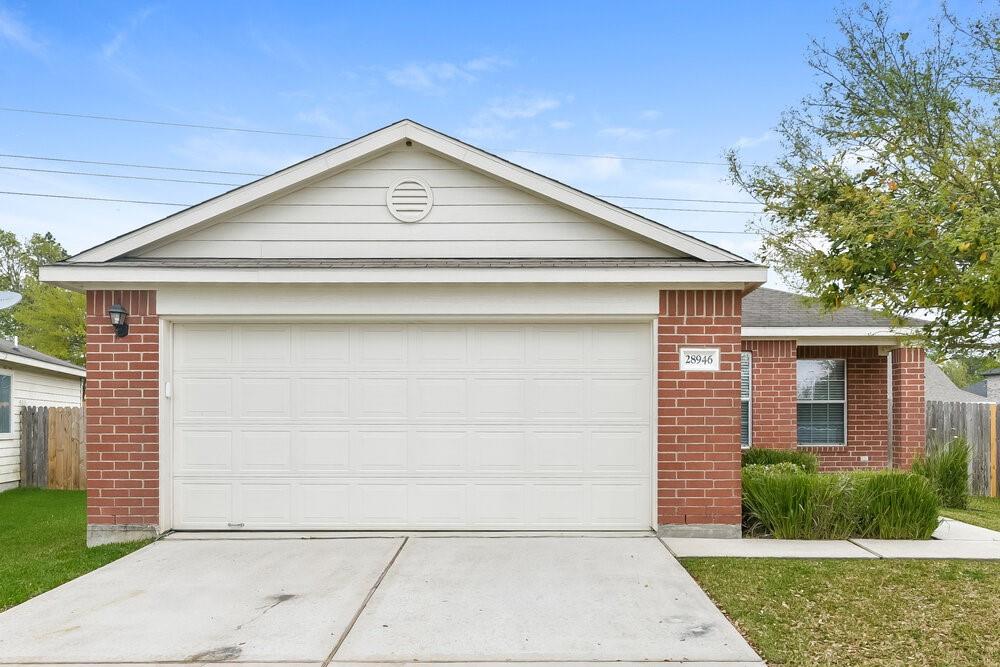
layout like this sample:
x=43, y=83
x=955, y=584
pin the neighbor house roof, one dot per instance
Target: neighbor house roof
x=766, y=307
x=978, y=388
x=939, y=387
x=14, y=353
x=992, y=372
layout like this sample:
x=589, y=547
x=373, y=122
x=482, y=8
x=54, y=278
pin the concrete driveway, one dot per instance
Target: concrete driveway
x=343, y=600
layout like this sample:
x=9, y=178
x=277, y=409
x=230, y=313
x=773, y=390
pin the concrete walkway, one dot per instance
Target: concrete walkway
x=952, y=540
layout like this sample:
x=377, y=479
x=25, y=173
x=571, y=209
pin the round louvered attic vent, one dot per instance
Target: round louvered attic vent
x=409, y=199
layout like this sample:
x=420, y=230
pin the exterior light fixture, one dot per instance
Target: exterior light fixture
x=119, y=320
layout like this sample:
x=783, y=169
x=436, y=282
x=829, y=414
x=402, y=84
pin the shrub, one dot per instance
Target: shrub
x=946, y=466
x=786, y=502
x=761, y=456
x=894, y=505
x=796, y=505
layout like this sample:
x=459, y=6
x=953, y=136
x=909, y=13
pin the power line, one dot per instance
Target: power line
x=245, y=173
x=166, y=203
x=106, y=199
x=227, y=128
x=125, y=176
x=129, y=164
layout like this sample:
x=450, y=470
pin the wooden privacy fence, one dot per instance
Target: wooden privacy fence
x=977, y=423
x=53, y=454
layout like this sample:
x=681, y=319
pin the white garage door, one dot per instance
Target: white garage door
x=422, y=426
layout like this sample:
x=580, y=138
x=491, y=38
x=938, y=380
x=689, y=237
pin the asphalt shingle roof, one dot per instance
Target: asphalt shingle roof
x=939, y=387
x=773, y=308
x=8, y=347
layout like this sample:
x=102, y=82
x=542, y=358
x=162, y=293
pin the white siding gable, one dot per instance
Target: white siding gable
x=345, y=215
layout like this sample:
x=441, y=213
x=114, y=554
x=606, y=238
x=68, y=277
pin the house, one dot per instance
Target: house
x=991, y=380
x=407, y=332
x=939, y=387
x=28, y=377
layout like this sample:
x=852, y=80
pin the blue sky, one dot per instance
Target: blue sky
x=664, y=80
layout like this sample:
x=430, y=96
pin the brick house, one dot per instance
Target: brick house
x=406, y=332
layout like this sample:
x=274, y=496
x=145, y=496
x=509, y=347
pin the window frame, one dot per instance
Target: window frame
x=9, y=434
x=799, y=401
x=746, y=354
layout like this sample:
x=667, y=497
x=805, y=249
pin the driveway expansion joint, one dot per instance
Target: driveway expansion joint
x=364, y=603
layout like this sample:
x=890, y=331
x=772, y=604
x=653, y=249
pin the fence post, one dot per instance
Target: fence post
x=993, y=450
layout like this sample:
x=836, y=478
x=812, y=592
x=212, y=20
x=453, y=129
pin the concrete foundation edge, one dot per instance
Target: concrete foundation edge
x=711, y=530
x=98, y=534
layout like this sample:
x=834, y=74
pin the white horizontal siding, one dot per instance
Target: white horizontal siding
x=32, y=388
x=345, y=215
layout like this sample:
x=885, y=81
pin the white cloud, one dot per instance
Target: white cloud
x=750, y=142
x=218, y=151
x=521, y=107
x=434, y=76
x=561, y=124
x=635, y=133
x=17, y=33
x=318, y=117
x=577, y=171
x=650, y=114
x=111, y=48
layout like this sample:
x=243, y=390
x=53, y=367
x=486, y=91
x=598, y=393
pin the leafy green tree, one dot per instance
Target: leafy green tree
x=887, y=191
x=48, y=318
x=51, y=320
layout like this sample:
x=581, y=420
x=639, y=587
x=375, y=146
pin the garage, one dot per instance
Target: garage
x=406, y=332
x=412, y=426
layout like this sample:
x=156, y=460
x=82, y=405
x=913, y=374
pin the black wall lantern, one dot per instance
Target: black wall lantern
x=119, y=320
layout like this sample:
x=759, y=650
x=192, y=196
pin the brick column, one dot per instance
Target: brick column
x=698, y=432
x=122, y=403
x=773, y=398
x=909, y=423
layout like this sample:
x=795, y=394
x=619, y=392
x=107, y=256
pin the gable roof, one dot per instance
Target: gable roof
x=21, y=354
x=939, y=387
x=766, y=307
x=353, y=152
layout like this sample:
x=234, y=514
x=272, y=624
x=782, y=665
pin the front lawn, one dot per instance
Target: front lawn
x=983, y=512
x=859, y=612
x=43, y=542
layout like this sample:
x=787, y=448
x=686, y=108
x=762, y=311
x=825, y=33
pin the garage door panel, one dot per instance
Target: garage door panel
x=447, y=425
x=265, y=452
x=203, y=398
x=322, y=452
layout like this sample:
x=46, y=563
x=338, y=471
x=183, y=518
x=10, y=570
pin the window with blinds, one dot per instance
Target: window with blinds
x=746, y=408
x=821, y=387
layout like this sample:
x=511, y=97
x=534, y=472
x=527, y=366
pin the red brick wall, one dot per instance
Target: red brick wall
x=122, y=403
x=699, y=412
x=908, y=407
x=772, y=392
x=867, y=408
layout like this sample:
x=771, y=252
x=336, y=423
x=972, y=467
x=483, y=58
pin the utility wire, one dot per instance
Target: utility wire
x=134, y=178
x=226, y=128
x=167, y=203
x=128, y=164
x=244, y=173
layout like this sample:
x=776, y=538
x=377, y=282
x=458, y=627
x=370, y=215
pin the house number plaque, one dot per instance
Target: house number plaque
x=699, y=358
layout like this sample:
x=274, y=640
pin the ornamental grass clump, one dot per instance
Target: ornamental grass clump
x=946, y=466
x=892, y=505
x=767, y=457
x=784, y=501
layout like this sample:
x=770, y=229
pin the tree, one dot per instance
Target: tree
x=887, y=191
x=49, y=319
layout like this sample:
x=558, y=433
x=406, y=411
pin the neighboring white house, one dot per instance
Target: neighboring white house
x=28, y=377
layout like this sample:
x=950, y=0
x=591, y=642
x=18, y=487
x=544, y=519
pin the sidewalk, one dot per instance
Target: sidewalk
x=952, y=539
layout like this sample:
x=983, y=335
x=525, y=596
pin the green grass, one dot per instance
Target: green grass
x=43, y=542
x=983, y=512
x=859, y=612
